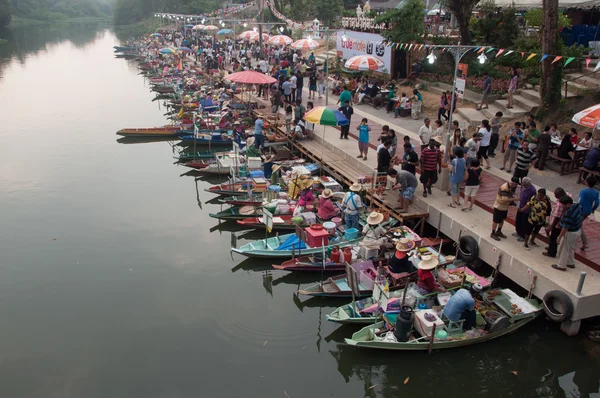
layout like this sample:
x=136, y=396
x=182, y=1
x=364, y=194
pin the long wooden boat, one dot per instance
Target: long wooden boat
x=243, y=200
x=198, y=164
x=213, y=140
x=380, y=335
x=229, y=188
x=165, y=131
x=280, y=222
x=348, y=315
x=272, y=247
x=208, y=154
x=237, y=213
x=310, y=264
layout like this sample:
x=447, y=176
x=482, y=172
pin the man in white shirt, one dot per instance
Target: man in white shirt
x=293, y=82
x=473, y=147
x=262, y=64
x=294, y=58
x=425, y=133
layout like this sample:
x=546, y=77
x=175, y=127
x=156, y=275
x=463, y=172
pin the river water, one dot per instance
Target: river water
x=114, y=282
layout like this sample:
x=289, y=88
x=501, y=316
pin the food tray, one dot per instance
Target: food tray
x=506, y=299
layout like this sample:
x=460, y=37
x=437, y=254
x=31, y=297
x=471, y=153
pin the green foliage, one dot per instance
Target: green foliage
x=5, y=13
x=495, y=28
x=297, y=34
x=57, y=10
x=328, y=10
x=406, y=24
x=534, y=18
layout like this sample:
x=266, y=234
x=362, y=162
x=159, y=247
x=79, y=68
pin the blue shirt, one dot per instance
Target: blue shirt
x=286, y=86
x=592, y=159
x=460, y=302
x=589, y=200
x=487, y=85
x=514, y=141
x=258, y=126
x=458, y=174
x=363, y=133
x=572, y=218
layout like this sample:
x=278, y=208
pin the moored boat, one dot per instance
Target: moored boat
x=242, y=200
x=165, y=131
x=280, y=222
x=361, y=312
x=310, y=264
x=237, y=213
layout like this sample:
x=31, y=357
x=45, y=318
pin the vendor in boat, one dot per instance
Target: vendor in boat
x=426, y=283
x=461, y=306
x=268, y=165
x=307, y=196
x=374, y=233
x=327, y=210
x=400, y=263
x=294, y=185
x=352, y=204
x=251, y=150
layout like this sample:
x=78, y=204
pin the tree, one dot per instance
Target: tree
x=405, y=24
x=462, y=9
x=5, y=15
x=327, y=10
x=495, y=27
x=551, y=75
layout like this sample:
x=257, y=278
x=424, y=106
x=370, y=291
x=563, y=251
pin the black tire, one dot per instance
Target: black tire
x=468, y=249
x=558, y=306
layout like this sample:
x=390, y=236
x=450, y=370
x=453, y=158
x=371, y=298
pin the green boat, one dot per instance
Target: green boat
x=285, y=246
x=238, y=213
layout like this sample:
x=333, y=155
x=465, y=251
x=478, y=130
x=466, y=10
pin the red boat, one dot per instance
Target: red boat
x=279, y=222
x=310, y=263
x=197, y=164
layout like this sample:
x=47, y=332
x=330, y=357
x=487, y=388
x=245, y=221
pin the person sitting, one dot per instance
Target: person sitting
x=326, y=209
x=401, y=105
x=400, y=263
x=426, y=283
x=299, y=129
x=566, y=146
x=374, y=233
x=592, y=160
x=462, y=306
x=307, y=196
x=252, y=151
x=587, y=141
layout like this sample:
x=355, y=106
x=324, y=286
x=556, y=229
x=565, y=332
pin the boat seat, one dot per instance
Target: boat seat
x=451, y=326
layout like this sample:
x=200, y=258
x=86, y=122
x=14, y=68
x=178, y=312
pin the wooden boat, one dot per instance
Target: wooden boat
x=338, y=286
x=348, y=315
x=215, y=139
x=197, y=164
x=277, y=247
x=230, y=188
x=165, y=131
x=310, y=264
x=243, y=200
x=184, y=156
x=237, y=213
x=493, y=320
x=280, y=222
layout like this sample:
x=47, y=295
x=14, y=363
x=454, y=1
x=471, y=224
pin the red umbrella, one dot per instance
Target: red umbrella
x=250, y=77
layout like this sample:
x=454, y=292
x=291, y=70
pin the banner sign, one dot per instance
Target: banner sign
x=360, y=43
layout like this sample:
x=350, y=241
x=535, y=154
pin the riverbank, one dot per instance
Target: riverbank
x=19, y=22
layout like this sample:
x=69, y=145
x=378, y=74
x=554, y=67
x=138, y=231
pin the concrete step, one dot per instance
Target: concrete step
x=531, y=95
x=512, y=113
x=472, y=116
x=576, y=88
x=585, y=80
x=526, y=103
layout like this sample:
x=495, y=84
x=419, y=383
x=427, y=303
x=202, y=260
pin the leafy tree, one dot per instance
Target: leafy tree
x=5, y=15
x=496, y=27
x=462, y=10
x=327, y=10
x=405, y=24
x=535, y=15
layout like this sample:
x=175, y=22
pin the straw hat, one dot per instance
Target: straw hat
x=405, y=245
x=327, y=193
x=356, y=187
x=428, y=262
x=375, y=218
x=307, y=184
x=276, y=167
x=250, y=141
x=268, y=158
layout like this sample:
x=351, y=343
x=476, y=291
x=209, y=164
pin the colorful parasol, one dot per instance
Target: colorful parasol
x=305, y=45
x=364, y=62
x=326, y=117
x=250, y=77
x=225, y=32
x=156, y=35
x=246, y=35
x=589, y=117
x=166, y=50
x=188, y=26
x=280, y=40
x=211, y=27
x=199, y=27
x=184, y=49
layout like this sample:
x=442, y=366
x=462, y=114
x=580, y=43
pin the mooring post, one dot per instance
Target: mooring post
x=580, y=284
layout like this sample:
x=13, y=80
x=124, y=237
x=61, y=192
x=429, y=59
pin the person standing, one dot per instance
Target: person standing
x=486, y=136
x=299, y=111
x=352, y=203
x=363, y=138
x=431, y=165
x=299, y=85
x=532, y=136
x=474, y=176
x=347, y=111
x=527, y=192
x=259, y=137
x=515, y=137
x=538, y=207
x=504, y=198
x=384, y=157
x=589, y=200
x=525, y=160
x=287, y=90
x=442, y=108
x=425, y=133
x=410, y=159
x=553, y=227
x=487, y=90
x=312, y=86
x=321, y=83
x=570, y=224
x=512, y=87
x=293, y=86
x=495, y=125
x=473, y=148
x=457, y=176
x=345, y=96
x=543, y=148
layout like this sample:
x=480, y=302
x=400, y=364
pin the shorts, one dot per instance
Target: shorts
x=454, y=188
x=510, y=156
x=407, y=193
x=363, y=147
x=485, y=96
x=520, y=173
x=429, y=175
x=499, y=215
x=471, y=190
x=312, y=87
x=483, y=152
x=531, y=229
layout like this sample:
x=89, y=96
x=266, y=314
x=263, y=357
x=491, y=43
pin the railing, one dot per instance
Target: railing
x=361, y=23
x=566, y=82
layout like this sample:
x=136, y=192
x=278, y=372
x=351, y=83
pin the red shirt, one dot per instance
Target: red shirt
x=426, y=280
x=430, y=158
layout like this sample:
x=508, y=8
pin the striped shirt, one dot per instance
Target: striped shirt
x=524, y=158
x=430, y=158
x=557, y=210
x=572, y=218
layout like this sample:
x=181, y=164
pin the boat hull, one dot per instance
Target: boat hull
x=287, y=224
x=156, y=132
x=307, y=264
x=263, y=253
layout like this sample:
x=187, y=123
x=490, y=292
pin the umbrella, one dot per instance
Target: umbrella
x=326, y=117
x=166, y=50
x=280, y=40
x=199, y=27
x=247, y=34
x=364, y=62
x=224, y=32
x=185, y=49
x=589, y=117
x=210, y=27
x=305, y=45
x=156, y=35
x=250, y=77
x=188, y=26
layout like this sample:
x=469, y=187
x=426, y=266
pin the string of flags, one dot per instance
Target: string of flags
x=487, y=50
x=281, y=17
x=223, y=12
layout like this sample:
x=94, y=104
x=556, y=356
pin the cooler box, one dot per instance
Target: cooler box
x=423, y=326
x=317, y=237
x=254, y=163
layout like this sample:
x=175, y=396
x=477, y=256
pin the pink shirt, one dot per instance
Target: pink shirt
x=326, y=209
x=306, y=197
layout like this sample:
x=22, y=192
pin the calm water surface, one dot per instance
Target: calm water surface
x=114, y=282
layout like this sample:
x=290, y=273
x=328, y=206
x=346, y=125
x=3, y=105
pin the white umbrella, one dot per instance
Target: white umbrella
x=305, y=45
x=280, y=40
x=364, y=62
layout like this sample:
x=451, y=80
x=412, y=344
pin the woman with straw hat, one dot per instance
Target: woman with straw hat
x=374, y=233
x=426, y=283
x=326, y=208
x=400, y=263
x=352, y=203
x=307, y=196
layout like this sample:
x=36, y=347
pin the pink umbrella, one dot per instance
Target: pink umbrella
x=364, y=62
x=281, y=40
x=305, y=45
x=250, y=77
x=199, y=27
x=246, y=35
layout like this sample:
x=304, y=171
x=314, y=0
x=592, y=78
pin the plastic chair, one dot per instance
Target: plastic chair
x=451, y=326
